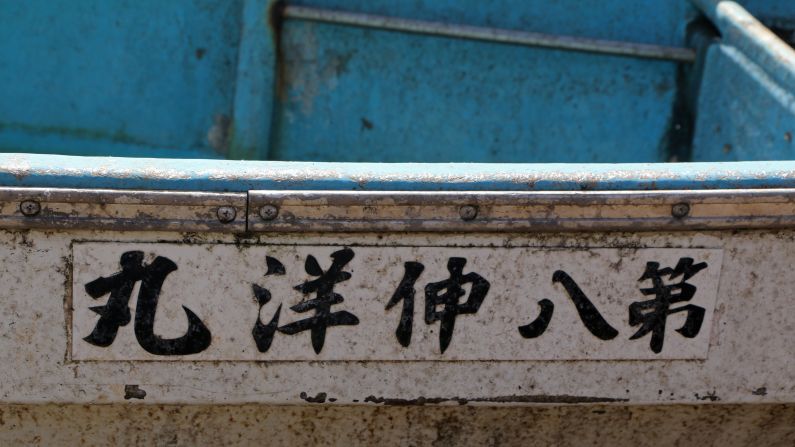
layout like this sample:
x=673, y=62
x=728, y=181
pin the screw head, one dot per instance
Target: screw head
x=268, y=212
x=468, y=212
x=226, y=214
x=680, y=210
x=29, y=207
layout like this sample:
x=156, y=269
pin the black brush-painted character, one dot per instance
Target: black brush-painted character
x=323, y=288
x=263, y=333
x=652, y=314
x=589, y=314
x=116, y=312
x=446, y=293
x=405, y=293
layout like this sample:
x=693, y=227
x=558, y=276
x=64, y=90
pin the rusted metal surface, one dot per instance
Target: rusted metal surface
x=600, y=425
x=62, y=208
x=489, y=34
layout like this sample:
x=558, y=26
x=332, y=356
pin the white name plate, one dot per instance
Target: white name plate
x=217, y=302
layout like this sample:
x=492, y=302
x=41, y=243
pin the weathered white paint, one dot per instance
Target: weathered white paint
x=215, y=282
x=750, y=360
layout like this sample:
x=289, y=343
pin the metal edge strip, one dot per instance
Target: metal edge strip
x=107, y=209
x=318, y=197
x=65, y=171
x=395, y=211
x=297, y=211
x=505, y=36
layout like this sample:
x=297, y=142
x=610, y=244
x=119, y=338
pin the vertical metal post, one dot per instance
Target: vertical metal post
x=255, y=86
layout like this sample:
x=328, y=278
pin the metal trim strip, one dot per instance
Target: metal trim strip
x=106, y=209
x=296, y=211
x=504, y=36
x=395, y=211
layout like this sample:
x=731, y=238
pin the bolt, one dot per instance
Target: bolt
x=226, y=214
x=29, y=207
x=268, y=212
x=468, y=212
x=680, y=210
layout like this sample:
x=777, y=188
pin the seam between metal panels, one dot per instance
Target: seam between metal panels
x=394, y=211
x=496, y=35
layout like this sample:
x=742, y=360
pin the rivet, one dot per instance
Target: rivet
x=268, y=212
x=29, y=207
x=468, y=212
x=226, y=214
x=680, y=210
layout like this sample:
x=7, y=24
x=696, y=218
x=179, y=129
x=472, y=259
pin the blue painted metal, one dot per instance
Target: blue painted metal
x=781, y=11
x=125, y=78
x=746, y=102
x=380, y=96
x=246, y=135
x=352, y=94
x=216, y=79
x=227, y=175
x=743, y=113
x=622, y=20
x=121, y=77
x=741, y=30
x=778, y=15
x=486, y=34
